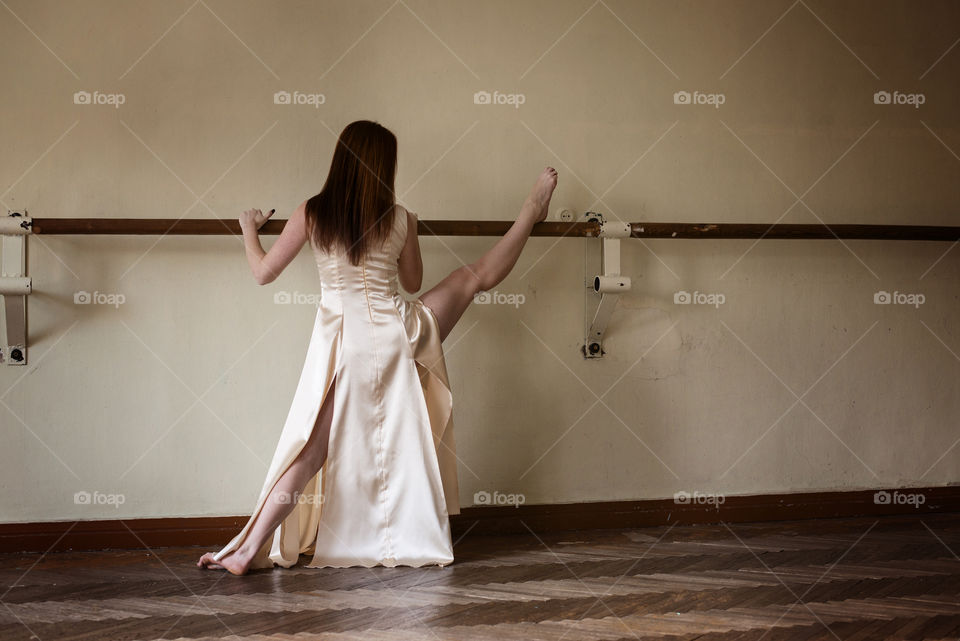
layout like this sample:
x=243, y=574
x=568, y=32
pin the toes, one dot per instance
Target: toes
x=207, y=561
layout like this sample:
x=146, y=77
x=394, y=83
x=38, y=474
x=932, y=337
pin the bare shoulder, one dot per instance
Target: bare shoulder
x=411, y=217
x=404, y=218
x=299, y=215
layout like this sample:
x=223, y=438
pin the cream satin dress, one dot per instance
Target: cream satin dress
x=390, y=479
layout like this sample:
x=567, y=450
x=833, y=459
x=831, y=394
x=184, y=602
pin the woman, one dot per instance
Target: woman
x=374, y=388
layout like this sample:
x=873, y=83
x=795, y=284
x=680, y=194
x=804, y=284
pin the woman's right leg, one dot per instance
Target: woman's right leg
x=451, y=296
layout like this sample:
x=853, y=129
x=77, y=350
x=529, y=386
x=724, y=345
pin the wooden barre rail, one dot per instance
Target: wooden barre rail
x=214, y=226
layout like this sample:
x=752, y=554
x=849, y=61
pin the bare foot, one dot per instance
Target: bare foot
x=231, y=563
x=539, y=199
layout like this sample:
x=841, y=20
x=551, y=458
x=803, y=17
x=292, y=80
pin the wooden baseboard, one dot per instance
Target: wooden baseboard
x=118, y=533
x=212, y=531
x=695, y=511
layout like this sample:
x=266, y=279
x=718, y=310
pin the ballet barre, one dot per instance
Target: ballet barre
x=589, y=229
x=16, y=285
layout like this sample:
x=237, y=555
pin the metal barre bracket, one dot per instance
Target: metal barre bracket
x=15, y=286
x=609, y=283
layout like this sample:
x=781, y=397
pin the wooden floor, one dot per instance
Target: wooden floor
x=847, y=579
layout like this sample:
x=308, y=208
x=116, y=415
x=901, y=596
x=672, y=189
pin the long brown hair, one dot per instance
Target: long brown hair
x=355, y=208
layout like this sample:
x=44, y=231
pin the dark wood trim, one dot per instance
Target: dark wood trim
x=793, y=232
x=118, y=533
x=212, y=531
x=734, y=509
x=217, y=226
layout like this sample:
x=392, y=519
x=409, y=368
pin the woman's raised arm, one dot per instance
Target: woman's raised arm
x=266, y=266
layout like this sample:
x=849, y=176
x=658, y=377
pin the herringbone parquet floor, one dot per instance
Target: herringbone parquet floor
x=846, y=579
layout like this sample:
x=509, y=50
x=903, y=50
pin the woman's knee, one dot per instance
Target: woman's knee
x=314, y=452
x=315, y=449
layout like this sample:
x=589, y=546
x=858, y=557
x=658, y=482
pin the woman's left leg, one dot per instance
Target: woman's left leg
x=451, y=296
x=283, y=497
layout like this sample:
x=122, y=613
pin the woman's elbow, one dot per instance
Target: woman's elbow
x=411, y=284
x=265, y=278
x=419, y=279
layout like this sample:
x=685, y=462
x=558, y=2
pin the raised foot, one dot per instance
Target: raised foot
x=538, y=201
x=231, y=563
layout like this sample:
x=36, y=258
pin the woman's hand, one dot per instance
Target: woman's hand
x=254, y=219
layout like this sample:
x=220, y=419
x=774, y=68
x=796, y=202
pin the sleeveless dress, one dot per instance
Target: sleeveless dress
x=389, y=482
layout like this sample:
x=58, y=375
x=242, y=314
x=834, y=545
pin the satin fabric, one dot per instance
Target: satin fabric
x=384, y=494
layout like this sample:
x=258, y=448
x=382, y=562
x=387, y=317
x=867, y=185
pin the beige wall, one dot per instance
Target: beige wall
x=175, y=399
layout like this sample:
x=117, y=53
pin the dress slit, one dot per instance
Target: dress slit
x=271, y=551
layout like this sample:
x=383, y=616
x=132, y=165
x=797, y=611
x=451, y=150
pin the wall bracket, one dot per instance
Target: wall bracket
x=609, y=283
x=15, y=286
